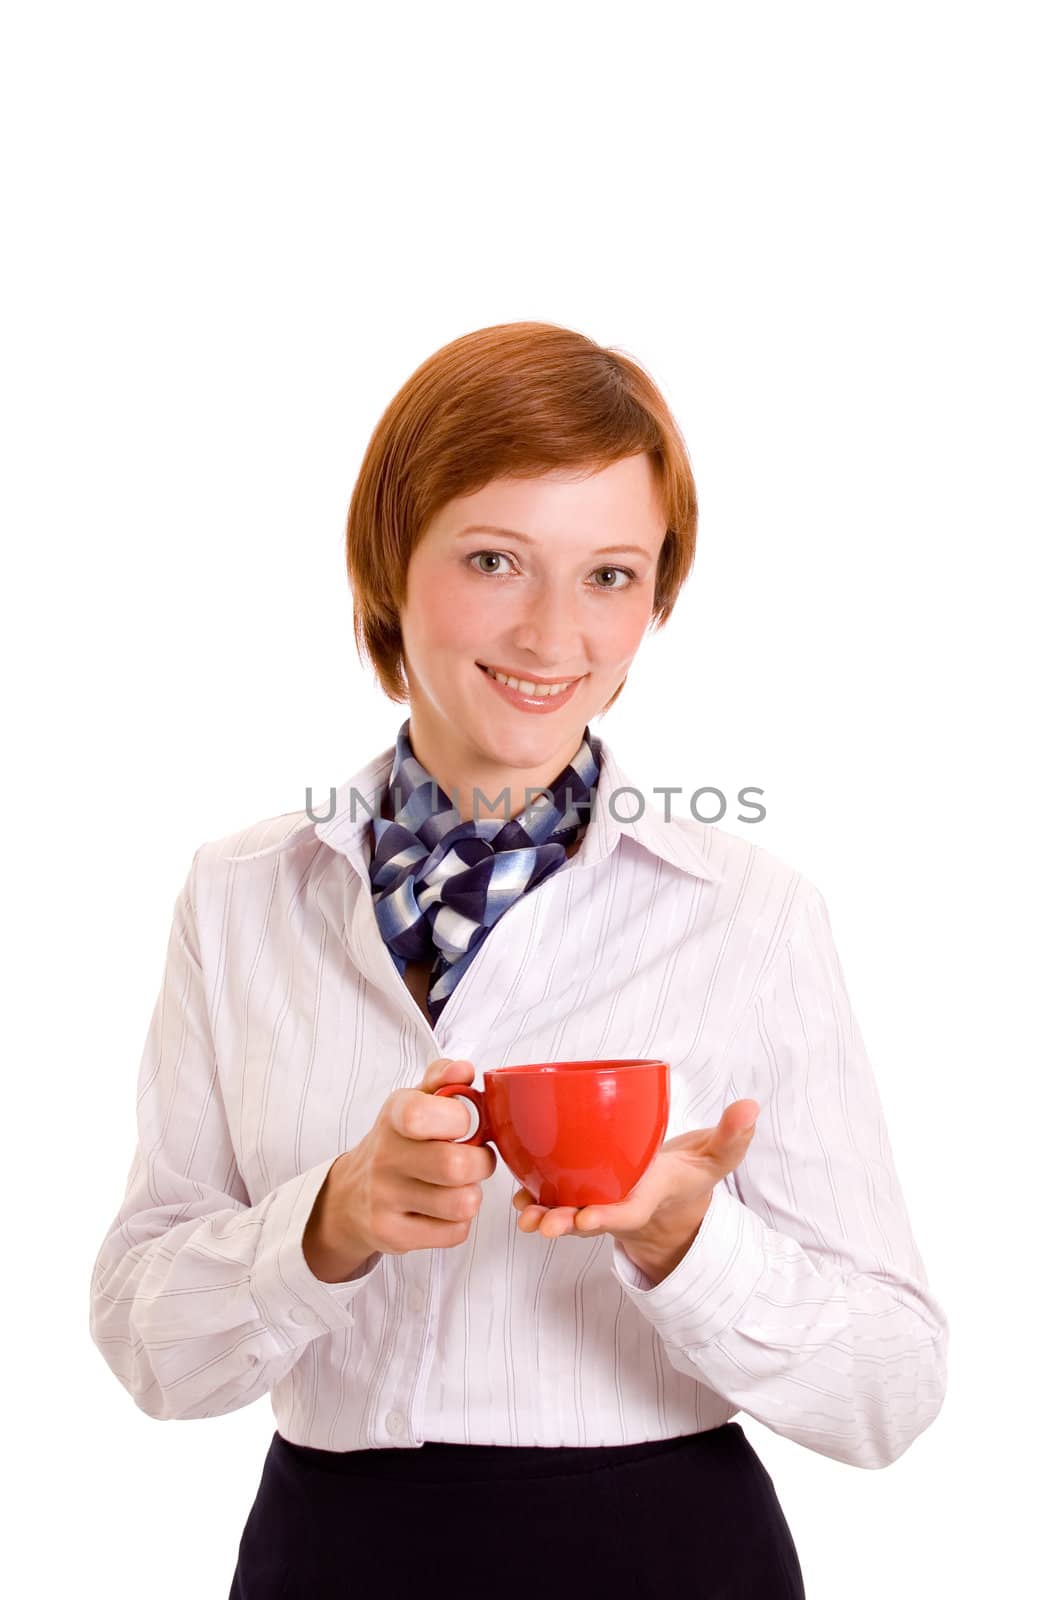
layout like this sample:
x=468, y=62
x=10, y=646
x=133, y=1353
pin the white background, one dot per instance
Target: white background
x=833, y=235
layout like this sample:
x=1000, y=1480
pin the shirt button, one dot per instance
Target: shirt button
x=303, y=1314
x=416, y=1300
x=395, y=1423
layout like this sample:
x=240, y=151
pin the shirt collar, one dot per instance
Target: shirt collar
x=686, y=845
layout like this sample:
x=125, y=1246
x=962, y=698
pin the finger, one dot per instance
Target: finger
x=727, y=1143
x=532, y=1218
x=557, y=1221
x=740, y=1118
x=621, y=1216
x=447, y=1069
x=419, y=1115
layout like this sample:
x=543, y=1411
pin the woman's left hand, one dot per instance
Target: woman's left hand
x=664, y=1210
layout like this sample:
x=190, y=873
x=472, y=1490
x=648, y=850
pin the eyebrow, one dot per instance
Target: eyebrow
x=514, y=533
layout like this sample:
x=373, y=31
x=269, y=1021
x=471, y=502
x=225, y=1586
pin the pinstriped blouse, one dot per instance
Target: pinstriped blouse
x=281, y=1026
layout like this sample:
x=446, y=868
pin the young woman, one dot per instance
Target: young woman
x=465, y=1386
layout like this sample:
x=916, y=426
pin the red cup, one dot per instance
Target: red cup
x=575, y=1133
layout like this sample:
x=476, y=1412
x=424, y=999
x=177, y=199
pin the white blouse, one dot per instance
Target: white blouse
x=281, y=1027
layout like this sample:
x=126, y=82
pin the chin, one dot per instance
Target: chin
x=524, y=746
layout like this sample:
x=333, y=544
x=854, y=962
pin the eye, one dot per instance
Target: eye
x=497, y=554
x=627, y=573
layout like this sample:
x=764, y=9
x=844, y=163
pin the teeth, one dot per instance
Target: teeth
x=539, y=691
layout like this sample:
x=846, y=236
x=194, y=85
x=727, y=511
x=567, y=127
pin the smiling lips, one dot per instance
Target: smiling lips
x=528, y=695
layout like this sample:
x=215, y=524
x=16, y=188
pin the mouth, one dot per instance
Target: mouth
x=529, y=686
x=533, y=695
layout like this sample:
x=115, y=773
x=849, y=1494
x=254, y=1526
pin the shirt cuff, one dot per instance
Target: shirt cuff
x=289, y=1294
x=705, y=1293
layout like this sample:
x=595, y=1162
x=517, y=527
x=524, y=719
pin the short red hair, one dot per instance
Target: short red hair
x=514, y=400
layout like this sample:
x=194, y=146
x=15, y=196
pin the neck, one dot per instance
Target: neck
x=498, y=791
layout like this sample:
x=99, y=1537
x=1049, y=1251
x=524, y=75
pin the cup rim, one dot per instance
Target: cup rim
x=600, y=1064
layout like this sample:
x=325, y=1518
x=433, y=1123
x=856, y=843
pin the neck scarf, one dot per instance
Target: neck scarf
x=439, y=883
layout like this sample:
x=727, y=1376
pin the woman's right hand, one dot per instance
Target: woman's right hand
x=406, y=1186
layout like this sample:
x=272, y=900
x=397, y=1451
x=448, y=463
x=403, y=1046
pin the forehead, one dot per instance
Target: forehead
x=619, y=502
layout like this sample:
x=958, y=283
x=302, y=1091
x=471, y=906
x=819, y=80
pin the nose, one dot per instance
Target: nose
x=550, y=632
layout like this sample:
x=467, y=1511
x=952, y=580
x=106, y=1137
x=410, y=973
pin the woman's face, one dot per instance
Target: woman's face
x=547, y=577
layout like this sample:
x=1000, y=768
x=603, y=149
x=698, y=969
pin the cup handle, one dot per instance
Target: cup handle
x=467, y=1092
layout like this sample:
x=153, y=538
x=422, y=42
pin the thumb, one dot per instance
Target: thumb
x=447, y=1070
x=727, y=1139
x=739, y=1121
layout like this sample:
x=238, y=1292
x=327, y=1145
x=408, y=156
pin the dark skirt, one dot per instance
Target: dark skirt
x=695, y=1516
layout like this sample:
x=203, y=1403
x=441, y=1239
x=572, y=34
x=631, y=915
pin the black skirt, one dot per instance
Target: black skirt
x=695, y=1516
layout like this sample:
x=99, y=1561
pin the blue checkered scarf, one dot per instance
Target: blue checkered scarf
x=439, y=884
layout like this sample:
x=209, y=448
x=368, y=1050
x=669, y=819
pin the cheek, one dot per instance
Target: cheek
x=448, y=613
x=622, y=629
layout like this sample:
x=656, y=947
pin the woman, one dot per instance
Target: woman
x=302, y=1218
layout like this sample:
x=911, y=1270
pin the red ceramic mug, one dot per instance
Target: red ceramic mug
x=575, y=1133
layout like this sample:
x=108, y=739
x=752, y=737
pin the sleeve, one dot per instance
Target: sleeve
x=201, y=1302
x=803, y=1299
